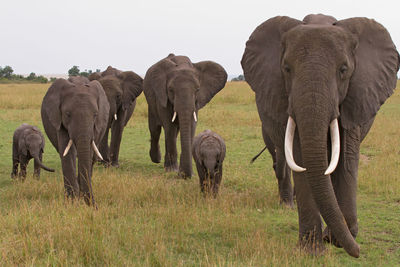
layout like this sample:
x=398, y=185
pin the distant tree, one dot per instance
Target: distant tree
x=74, y=71
x=238, y=78
x=31, y=76
x=86, y=73
x=98, y=70
x=6, y=72
x=41, y=79
x=53, y=79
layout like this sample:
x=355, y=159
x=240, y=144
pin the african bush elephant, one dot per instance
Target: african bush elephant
x=78, y=80
x=175, y=89
x=28, y=143
x=75, y=118
x=208, y=151
x=311, y=78
x=121, y=88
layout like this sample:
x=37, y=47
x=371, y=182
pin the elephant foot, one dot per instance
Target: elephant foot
x=172, y=168
x=13, y=175
x=184, y=175
x=328, y=237
x=115, y=164
x=287, y=203
x=155, y=154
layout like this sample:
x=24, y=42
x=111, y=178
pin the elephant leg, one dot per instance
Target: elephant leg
x=68, y=164
x=14, y=172
x=36, y=172
x=23, y=161
x=155, y=131
x=202, y=172
x=310, y=222
x=171, y=154
x=344, y=181
x=217, y=181
x=116, y=135
x=271, y=147
x=282, y=173
x=104, y=149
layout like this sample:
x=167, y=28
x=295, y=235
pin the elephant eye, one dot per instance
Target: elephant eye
x=343, y=70
x=286, y=68
x=95, y=115
x=68, y=114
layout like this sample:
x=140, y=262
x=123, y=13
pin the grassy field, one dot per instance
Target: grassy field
x=147, y=217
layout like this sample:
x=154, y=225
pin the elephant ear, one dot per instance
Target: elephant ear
x=52, y=100
x=212, y=78
x=104, y=109
x=261, y=65
x=375, y=74
x=132, y=87
x=156, y=79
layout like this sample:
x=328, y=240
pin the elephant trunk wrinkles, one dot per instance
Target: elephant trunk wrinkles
x=84, y=154
x=313, y=123
x=37, y=161
x=185, y=124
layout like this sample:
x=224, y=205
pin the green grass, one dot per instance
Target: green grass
x=147, y=217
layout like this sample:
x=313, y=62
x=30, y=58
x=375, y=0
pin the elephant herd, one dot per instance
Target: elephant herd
x=318, y=84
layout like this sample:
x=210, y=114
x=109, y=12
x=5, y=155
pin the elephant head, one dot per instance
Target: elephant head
x=182, y=88
x=315, y=75
x=75, y=118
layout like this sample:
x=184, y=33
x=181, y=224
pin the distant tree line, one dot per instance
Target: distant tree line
x=74, y=71
x=7, y=75
x=238, y=78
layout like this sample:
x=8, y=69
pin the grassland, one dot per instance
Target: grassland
x=147, y=217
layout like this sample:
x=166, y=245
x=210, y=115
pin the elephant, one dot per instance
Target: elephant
x=209, y=151
x=75, y=119
x=28, y=143
x=121, y=88
x=318, y=85
x=175, y=90
x=78, y=80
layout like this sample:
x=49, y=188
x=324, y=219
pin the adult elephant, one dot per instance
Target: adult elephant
x=75, y=118
x=312, y=78
x=121, y=88
x=175, y=89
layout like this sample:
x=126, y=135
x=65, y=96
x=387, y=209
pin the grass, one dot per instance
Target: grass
x=147, y=217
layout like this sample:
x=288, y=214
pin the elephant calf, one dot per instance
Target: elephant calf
x=28, y=143
x=208, y=151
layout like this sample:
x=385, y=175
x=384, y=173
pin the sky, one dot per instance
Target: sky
x=50, y=36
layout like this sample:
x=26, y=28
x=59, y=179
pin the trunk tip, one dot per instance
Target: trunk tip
x=354, y=251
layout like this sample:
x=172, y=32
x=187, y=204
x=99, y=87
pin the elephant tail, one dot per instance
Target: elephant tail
x=256, y=156
x=43, y=166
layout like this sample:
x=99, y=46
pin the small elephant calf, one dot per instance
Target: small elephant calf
x=28, y=143
x=208, y=151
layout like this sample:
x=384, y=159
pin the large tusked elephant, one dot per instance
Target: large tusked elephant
x=121, y=88
x=175, y=89
x=319, y=84
x=75, y=118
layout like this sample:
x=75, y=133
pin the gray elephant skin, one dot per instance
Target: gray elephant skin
x=175, y=90
x=209, y=151
x=75, y=119
x=121, y=88
x=28, y=143
x=320, y=83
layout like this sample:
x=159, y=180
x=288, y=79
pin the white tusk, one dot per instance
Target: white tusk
x=289, y=135
x=115, y=116
x=96, y=150
x=194, y=116
x=67, y=148
x=173, y=117
x=335, y=140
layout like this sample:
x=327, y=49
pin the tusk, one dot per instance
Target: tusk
x=335, y=140
x=96, y=150
x=67, y=148
x=289, y=135
x=194, y=116
x=115, y=116
x=173, y=117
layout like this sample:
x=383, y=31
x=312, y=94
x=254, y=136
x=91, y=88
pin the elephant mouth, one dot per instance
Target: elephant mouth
x=335, y=149
x=194, y=116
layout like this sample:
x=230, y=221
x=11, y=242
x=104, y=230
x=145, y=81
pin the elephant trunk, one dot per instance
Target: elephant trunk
x=38, y=162
x=85, y=155
x=185, y=124
x=313, y=124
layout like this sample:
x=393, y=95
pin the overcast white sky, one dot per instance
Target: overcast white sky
x=50, y=36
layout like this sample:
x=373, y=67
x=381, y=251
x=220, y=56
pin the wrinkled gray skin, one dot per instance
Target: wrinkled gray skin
x=28, y=143
x=316, y=71
x=121, y=88
x=78, y=80
x=79, y=113
x=208, y=151
x=176, y=84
